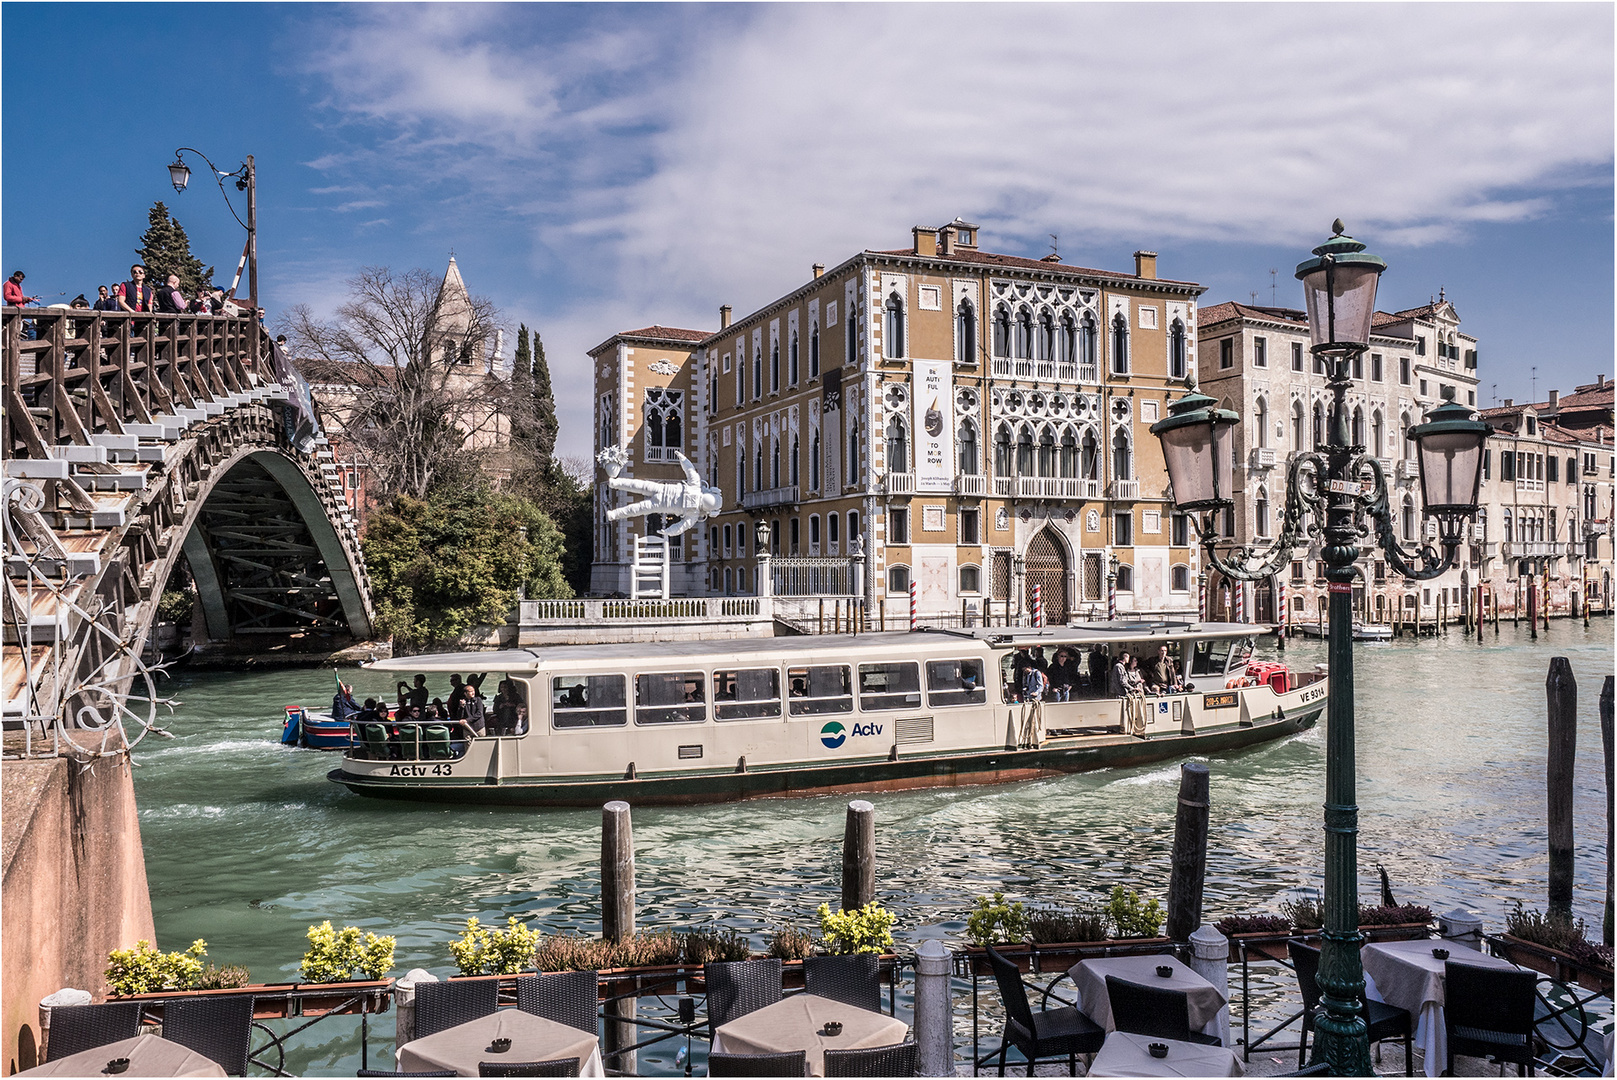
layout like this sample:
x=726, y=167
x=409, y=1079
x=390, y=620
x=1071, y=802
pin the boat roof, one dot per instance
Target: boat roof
x=832, y=645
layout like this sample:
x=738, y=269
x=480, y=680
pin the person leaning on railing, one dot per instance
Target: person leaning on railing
x=135, y=295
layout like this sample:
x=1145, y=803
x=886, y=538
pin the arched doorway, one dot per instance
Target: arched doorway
x=1046, y=567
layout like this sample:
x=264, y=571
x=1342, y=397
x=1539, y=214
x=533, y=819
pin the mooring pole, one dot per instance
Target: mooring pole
x=1561, y=692
x=617, y=923
x=1189, y=851
x=859, y=856
x=1605, y=745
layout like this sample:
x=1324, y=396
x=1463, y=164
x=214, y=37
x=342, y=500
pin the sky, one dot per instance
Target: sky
x=597, y=168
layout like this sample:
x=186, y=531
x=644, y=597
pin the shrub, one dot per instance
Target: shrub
x=570, y=952
x=1130, y=917
x=865, y=930
x=1253, y=923
x=143, y=969
x=1555, y=931
x=715, y=946
x=1381, y=915
x=334, y=955
x=790, y=943
x=1048, y=925
x=660, y=947
x=994, y=921
x=1304, y=914
x=175, y=605
x=492, y=951
x=231, y=977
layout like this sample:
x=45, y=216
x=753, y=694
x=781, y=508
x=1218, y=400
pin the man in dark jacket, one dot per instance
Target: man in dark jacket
x=135, y=294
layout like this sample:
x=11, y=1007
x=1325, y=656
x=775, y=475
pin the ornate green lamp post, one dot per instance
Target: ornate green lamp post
x=1329, y=490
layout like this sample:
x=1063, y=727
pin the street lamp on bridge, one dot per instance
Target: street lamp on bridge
x=1328, y=492
x=246, y=177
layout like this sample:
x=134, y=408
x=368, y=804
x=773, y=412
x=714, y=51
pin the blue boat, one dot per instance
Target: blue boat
x=315, y=731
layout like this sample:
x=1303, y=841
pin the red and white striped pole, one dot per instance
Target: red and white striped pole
x=1111, y=598
x=915, y=608
x=1201, y=596
x=1280, y=606
x=1038, y=605
x=1240, y=600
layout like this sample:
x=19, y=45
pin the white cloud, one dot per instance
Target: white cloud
x=698, y=156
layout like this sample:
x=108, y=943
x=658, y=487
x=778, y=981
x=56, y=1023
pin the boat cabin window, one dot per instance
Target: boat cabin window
x=890, y=686
x=955, y=682
x=587, y=701
x=670, y=697
x=1210, y=657
x=817, y=690
x=746, y=694
x=1242, y=653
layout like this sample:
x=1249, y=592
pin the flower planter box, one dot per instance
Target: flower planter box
x=663, y=978
x=1397, y=932
x=1062, y=955
x=275, y=1001
x=1265, y=944
x=1555, y=963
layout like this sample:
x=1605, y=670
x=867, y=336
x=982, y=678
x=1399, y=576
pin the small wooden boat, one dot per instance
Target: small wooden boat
x=1361, y=631
x=314, y=731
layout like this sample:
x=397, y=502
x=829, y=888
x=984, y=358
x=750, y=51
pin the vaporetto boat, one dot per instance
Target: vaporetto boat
x=712, y=721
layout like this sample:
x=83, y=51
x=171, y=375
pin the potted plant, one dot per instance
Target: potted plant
x=1002, y=925
x=1557, y=946
x=1401, y=922
x=1055, y=935
x=1255, y=932
x=350, y=962
x=143, y=973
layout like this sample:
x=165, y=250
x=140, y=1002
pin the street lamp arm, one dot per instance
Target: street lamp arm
x=220, y=177
x=1303, y=511
x=1423, y=564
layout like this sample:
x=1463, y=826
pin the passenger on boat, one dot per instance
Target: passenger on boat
x=1134, y=698
x=1063, y=675
x=438, y=710
x=509, y=712
x=472, y=708
x=343, y=704
x=1098, y=668
x=417, y=694
x=1118, y=686
x=370, y=714
x=1034, y=685
x=1163, y=674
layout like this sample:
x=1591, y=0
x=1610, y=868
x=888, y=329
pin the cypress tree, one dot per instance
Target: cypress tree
x=165, y=249
x=544, y=407
x=522, y=398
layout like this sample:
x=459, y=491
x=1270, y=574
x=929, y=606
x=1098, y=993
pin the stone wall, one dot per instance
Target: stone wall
x=74, y=886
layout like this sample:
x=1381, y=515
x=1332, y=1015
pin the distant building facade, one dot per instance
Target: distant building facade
x=974, y=423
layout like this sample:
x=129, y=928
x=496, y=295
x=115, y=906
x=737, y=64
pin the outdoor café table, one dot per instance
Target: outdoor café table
x=1206, y=1003
x=148, y=1056
x=795, y=1023
x=533, y=1038
x=1405, y=974
x=1125, y=1054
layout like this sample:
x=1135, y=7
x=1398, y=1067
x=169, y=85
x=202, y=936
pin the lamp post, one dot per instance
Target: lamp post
x=1328, y=493
x=246, y=177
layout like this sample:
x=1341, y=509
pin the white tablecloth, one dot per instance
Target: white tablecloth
x=1405, y=974
x=794, y=1023
x=1126, y=1054
x=148, y=1056
x=533, y=1038
x=1207, y=1006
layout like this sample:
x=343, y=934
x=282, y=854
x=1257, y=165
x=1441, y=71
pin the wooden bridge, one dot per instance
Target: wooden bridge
x=128, y=440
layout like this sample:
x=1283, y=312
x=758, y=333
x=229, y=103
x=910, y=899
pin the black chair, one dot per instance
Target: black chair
x=1153, y=1010
x=220, y=1028
x=898, y=1060
x=792, y=1064
x=1064, y=1032
x=84, y=1027
x=853, y=980
x=383, y=1072
x=558, y=1067
x=1488, y=1012
x=567, y=997
x=440, y=1005
x=1381, y=1020
x=739, y=987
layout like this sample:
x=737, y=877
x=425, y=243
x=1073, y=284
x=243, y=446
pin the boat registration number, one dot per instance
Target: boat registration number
x=1313, y=694
x=1228, y=700
x=422, y=770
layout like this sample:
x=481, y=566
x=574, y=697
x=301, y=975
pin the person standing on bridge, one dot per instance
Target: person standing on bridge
x=135, y=295
x=169, y=298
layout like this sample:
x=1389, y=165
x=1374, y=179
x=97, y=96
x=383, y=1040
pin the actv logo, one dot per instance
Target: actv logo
x=833, y=735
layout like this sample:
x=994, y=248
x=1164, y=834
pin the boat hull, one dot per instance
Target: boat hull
x=1085, y=753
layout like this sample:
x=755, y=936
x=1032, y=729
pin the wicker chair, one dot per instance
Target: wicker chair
x=1381, y=1021
x=220, y=1028
x=792, y=1064
x=853, y=980
x=85, y=1027
x=1064, y=1032
x=440, y=1005
x=896, y=1060
x=1488, y=1012
x=1154, y=1011
x=567, y=997
x=558, y=1067
x=384, y=1072
x=739, y=987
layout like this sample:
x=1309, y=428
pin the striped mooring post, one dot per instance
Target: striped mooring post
x=1280, y=606
x=1111, y=598
x=1201, y=598
x=1239, y=588
x=915, y=607
x=1038, y=605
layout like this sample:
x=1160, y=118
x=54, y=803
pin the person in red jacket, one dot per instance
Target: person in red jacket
x=135, y=294
x=15, y=297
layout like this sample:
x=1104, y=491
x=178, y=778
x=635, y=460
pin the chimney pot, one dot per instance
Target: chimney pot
x=1509, y=402
x=819, y=269
x=1600, y=381
x=1555, y=400
x=1145, y=265
x=926, y=241
x=724, y=316
x=946, y=240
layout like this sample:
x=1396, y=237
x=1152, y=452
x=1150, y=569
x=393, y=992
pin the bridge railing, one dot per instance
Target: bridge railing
x=92, y=372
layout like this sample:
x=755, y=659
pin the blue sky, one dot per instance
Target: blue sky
x=597, y=168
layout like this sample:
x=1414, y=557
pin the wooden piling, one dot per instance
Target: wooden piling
x=859, y=856
x=1532, y=613
x=1605, y=746
x=617, y=923
x=1561, y=692
x=1189, y=851
x=1495, y=614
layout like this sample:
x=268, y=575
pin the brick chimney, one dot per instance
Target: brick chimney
x=724, y=316
x=946, y=240
x=819, y=269
x=1509, y=402
x=1555, y=400
x=926, y=241
x=1145, y=265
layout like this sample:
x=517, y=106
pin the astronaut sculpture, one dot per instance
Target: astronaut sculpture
x=690, y=501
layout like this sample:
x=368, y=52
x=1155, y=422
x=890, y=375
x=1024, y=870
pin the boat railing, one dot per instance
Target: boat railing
x=409, y=740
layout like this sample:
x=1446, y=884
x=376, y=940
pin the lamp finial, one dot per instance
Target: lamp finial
x=1337, y=228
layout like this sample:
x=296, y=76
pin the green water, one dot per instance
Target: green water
x=247, y=843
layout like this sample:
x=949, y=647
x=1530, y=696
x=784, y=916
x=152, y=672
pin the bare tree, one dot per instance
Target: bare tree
x=402, y=373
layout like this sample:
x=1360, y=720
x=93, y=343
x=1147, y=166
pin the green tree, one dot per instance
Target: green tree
x=522, y=396
x=454, y=560
x=165, y=249
x=544, y=407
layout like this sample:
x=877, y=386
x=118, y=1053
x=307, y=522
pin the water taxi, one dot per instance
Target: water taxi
x=712, y=721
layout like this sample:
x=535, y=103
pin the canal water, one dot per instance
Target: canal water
x=247, y=843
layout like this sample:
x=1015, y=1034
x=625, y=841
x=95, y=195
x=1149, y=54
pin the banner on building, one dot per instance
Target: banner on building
x=831, y=393
x=933, y=425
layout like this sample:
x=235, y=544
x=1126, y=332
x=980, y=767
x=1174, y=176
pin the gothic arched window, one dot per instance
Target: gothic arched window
x=1002, y=451
x=965, y=333
x=1087, y=341
x=1024, y=334
x=1002, y=331
x=1047, y=336
x=893, y=327
x=1066, y=342
x=814, y=352
x=898, y=446
x=1120, y=344
x=774, y=367
x=966, y=439
x=1176, y=350
x=1091, y=456
x=1047, y=453
x=791, y=361
x=1122, y=456
x=1024, y=451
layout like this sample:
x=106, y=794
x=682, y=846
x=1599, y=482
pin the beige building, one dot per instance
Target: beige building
x=1257, y=361
x=974, y=423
